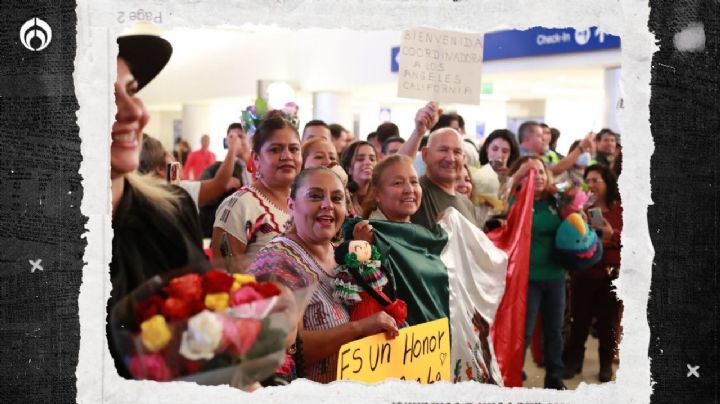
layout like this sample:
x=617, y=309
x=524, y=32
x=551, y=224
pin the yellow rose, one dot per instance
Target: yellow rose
x=155, y=333
x=240, y=280
x=217, y=301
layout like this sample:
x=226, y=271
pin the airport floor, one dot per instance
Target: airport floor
x=589, y=374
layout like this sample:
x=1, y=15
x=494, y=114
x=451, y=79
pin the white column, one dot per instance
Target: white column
x=195, y=123
x=333, y=108
x=612, y=98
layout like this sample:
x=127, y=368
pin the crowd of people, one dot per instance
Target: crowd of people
x=278, y=201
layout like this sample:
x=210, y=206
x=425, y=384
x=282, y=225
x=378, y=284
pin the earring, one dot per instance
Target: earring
x=288, y=225
x=258, y=175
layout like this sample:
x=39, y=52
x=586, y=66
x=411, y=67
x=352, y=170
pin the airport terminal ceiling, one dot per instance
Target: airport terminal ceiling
x=222, y=68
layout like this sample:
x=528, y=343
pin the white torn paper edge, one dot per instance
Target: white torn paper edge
x=97, y=380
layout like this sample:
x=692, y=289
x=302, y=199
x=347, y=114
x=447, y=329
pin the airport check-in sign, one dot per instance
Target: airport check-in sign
x=536, y=42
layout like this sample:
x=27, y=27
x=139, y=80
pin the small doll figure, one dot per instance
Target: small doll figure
x=572, y=197
x=359, y=282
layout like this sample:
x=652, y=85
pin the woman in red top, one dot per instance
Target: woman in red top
x=592, y=290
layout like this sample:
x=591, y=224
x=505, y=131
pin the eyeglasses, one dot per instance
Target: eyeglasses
x=594, y=181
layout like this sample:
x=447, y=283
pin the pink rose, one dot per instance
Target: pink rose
x=239, y=335
x=150, y=367
x=245, y=294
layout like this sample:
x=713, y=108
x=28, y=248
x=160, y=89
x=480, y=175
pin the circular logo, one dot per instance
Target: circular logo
x=35, y=34
x=582, y=37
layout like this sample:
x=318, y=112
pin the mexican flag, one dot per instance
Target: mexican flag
x=478, y=281
x=452, y=270
x=508, y=330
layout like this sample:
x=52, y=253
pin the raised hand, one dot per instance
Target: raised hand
x=427, y=117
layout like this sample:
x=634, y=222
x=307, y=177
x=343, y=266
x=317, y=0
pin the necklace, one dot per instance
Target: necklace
x=271, y=196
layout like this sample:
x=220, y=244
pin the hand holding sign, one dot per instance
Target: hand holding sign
x=419, y=353
x=427, y=117
x=377, y=323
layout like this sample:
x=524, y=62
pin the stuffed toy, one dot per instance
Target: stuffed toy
x=576, y=245
x=486, y=187
x=359, y=282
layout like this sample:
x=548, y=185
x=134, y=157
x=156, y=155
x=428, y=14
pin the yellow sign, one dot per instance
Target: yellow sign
x=420, y=353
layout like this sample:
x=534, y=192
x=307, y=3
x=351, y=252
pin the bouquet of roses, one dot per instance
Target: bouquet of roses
x=210, y=327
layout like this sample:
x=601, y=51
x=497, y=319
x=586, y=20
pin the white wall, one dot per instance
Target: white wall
x=574, y=117
x=208, y=64
x=160, y=126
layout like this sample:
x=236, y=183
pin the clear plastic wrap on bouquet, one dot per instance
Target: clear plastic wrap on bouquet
x=206, y=326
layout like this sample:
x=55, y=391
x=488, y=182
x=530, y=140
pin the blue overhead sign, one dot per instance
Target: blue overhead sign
x=542, y=42
x=536, y=41
x=394, y=64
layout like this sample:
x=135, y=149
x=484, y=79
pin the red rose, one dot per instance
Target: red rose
x=177, y=309
x=286, y=367
x=190, y=367
x=148, y=308
x=217, y=281
x=266, y=289
x=152, y=367
x=186, y=287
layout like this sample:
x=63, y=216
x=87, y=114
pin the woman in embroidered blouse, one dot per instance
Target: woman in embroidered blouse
x=304, y=255
x=253, y=215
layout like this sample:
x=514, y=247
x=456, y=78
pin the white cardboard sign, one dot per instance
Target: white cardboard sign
x=442, y=66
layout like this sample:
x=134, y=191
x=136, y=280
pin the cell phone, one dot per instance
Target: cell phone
x=596, y=217
x=225, y=146
x=172, y=173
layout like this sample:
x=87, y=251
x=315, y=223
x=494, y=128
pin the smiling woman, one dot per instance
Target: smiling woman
x=358, y=160
x=396, y=191
x=255, y=214
x=304, y=255
x=155, y=226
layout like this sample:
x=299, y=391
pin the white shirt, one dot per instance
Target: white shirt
x=192, y=188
